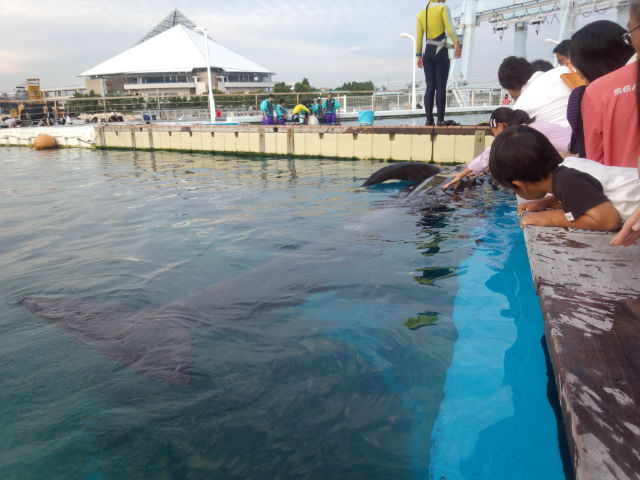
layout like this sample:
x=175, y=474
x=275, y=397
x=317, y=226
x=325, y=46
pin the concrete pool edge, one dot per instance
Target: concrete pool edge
x=589, y=292
x=457, y=144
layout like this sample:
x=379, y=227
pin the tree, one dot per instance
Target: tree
x=367, y=86
x=281, y=87
x=303, y=86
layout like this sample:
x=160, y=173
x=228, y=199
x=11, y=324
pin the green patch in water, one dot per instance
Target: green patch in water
x=421, y=320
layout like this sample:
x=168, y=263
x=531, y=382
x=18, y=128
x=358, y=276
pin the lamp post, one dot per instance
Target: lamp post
x=555, y=42
x=212, y=102
x=413, y=69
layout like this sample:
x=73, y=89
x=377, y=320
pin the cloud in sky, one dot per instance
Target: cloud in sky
x=328, y=41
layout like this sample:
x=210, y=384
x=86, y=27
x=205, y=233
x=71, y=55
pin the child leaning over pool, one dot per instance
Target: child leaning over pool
x=585, y=194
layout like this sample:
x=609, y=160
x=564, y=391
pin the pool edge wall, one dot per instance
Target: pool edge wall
x=428, y=144
x=589, y=292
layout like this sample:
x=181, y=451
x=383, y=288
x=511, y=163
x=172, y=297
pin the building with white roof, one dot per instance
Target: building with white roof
x=171, y=61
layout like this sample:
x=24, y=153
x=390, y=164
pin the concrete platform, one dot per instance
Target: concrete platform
x=590, y=297
x=430, y=144
x=398, y=143
x=66, y=136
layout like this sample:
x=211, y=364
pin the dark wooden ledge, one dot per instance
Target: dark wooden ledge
x=590, y=297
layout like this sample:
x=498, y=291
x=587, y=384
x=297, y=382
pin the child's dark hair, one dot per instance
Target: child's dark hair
x=522, y=153
x=509, y=117
x=598, y=49
x=514, y=72
x=282, y=100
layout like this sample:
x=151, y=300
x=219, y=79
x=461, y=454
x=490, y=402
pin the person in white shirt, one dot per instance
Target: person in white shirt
x=543, y=95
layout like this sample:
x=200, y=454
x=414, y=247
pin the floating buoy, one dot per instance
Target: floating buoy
x=44, y=142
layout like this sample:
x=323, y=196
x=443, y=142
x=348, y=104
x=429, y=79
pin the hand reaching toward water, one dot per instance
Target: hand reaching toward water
x=455, y=183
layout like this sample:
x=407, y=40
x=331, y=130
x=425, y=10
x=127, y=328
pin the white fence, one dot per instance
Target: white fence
x=456, y=97
x=195, y=108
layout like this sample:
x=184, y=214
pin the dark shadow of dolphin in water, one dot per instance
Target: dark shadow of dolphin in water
x=157, y=342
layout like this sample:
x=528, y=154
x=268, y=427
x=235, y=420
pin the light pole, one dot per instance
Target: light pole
x=413, y=69
x=212, y=102
x=555, y=42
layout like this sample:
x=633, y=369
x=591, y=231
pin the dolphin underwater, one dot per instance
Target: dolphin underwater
x=157, y=342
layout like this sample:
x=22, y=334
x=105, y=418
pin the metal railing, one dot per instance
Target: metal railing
x=195, y=108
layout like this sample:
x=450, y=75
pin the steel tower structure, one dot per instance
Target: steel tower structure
x=502, y=14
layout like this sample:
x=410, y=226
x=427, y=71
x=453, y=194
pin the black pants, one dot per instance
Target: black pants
x=436, y=74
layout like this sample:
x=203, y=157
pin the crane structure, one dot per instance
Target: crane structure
x=502, y=14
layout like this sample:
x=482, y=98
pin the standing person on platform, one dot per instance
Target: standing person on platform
x=610, y=108
x=330, y=107
x=281, y=111
x=434, y=23
x=267, y=107
x=316, y=109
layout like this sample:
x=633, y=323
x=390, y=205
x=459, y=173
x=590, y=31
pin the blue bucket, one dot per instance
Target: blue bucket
x=365, y=117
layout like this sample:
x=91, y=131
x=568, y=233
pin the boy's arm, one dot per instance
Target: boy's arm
x=549, y=201
x=601, y=217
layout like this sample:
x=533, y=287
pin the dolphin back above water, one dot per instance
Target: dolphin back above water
x=411, y=171
x=158, y=342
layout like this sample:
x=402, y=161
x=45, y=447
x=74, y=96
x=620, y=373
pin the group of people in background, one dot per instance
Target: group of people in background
x=321, y=111
x=569, y=146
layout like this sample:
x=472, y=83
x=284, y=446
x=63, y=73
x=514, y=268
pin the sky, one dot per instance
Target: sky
x=330, y=42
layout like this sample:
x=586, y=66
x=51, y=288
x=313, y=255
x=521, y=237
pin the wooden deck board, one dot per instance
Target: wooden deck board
x=590, y=297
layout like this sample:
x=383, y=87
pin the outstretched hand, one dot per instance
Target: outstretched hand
x=630, y=231
x=455, y=183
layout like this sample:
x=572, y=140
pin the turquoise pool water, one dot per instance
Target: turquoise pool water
x=300, y=361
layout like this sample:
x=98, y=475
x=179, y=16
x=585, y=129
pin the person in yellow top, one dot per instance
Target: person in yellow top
x=301, y=113
x=434, y=23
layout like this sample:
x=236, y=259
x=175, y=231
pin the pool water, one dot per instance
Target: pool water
x=332, y=331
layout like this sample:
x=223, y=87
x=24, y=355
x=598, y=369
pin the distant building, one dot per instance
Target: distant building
x=62, y=92
x=171, y=61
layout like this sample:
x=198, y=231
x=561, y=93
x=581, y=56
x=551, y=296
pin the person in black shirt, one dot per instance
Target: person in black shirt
x=524, y=160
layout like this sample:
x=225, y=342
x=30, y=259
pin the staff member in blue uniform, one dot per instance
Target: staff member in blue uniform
x=267, y=107
x=330, y=107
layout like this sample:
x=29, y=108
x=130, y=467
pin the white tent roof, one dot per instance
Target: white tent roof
x=178, y=49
